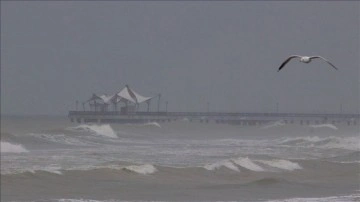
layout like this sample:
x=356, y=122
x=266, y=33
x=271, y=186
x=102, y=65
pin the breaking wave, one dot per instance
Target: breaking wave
x=34, y=170
x=281, y=164
x=348, y=143
x=254, y=165
x=141, y=169
x=103, y=130
x=248, y=164
x=7, y=147
x=225, y=163
x=153, y=124
x=60, y=139
x=275, y=124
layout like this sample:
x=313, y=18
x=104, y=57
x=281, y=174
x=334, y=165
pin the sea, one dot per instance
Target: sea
x=47, y=158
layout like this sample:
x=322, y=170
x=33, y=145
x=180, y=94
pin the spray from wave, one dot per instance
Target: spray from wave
x=7, y=147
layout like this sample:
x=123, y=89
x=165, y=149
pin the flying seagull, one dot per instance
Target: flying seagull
x=304, y=59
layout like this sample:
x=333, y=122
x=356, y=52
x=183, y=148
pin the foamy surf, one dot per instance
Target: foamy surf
x=104, y=130
x=141, y=169
x=7, y=147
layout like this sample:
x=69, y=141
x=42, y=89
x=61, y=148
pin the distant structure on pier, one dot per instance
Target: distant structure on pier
x=105, y=109
x=127, y=99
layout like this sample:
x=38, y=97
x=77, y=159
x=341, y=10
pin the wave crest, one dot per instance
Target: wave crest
x=103, y=130
x=348, y=143
x=225, y=163
x=324, y=126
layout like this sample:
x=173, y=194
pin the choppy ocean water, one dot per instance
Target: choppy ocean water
x=51, y=159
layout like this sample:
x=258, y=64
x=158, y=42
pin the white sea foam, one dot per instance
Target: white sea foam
x=324, y=126
x=225, y=163
x=281, y=164
x=104, y=130
x=141, y=169
x=275, y=124
x=248, y=164
x=7, y=147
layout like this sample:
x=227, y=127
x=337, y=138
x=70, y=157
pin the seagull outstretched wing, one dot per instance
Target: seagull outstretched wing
x=314, y=57
x=287, y=60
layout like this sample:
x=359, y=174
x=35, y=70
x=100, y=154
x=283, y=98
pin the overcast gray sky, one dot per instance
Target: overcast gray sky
x=224, y=53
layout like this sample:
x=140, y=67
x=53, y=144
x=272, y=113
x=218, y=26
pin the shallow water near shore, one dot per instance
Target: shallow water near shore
x=52, y=159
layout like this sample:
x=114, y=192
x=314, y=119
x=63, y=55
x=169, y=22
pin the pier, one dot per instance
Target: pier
x=105, y=109
x=213, y=117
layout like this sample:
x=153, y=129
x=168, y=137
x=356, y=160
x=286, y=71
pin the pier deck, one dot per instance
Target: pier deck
x=217, y=117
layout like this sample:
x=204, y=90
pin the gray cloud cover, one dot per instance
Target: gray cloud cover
x=225, y=53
